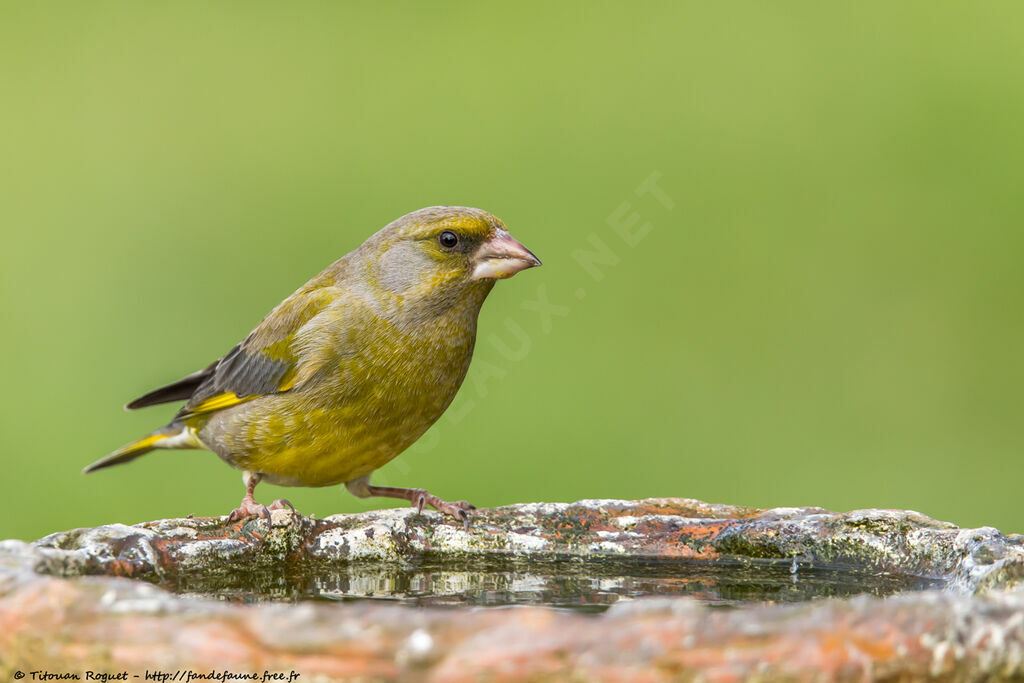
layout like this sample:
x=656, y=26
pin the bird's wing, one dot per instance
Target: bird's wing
x=268, y=361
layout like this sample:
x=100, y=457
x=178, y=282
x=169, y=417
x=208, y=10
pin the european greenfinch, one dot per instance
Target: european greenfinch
x=351, y=369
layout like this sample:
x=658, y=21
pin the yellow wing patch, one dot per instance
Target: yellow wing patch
x=219, y=402
x=228, y=399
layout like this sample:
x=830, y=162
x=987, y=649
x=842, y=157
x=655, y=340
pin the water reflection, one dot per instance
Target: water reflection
x=589, y=586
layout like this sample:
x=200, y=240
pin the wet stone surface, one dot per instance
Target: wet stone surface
x=679, y=586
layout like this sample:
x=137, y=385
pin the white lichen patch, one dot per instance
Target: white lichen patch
x=455, y=539
x=165, y=525
x=618, y=535
x=790, y=513
x=626, y=521
x=603, y=503
x=525, y=510
x=373, y=542
x=198, y=554
x=517, y=541
x=393, y=517
x=182, y=531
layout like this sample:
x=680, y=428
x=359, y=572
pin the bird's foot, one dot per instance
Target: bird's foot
x=250, y=508
x=460, y=509
x=419, y=498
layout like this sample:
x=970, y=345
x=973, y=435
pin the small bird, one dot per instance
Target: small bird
x=351, y=369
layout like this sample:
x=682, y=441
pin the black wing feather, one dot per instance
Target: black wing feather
x=175, y=391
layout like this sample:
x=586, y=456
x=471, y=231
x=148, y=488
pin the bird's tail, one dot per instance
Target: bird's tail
x=171, y=436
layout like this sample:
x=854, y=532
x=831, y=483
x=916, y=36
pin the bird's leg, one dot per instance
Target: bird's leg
x=418, y=497
x=249, y=507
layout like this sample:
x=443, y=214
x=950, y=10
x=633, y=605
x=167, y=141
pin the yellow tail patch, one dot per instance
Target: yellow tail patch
x=145, y=442
x=129, y=452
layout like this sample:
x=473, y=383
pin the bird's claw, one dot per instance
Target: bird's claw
x=461, y=511
x=281, y=504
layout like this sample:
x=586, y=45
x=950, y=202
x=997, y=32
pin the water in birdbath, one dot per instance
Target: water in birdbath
x=591, y=585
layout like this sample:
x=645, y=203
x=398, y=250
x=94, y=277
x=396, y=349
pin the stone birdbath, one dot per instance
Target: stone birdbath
x=651, y=590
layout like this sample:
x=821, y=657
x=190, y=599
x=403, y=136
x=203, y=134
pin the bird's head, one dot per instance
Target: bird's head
x=442, y=251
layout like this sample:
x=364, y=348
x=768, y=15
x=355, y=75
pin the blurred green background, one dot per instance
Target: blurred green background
x=825, y=308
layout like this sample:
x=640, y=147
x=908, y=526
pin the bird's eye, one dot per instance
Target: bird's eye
x=448, y=239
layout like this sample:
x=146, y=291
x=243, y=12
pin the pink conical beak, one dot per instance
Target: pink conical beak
x=500, y=257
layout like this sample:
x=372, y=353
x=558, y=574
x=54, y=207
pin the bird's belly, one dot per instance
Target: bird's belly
x=311, y=440
x=329, y=458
